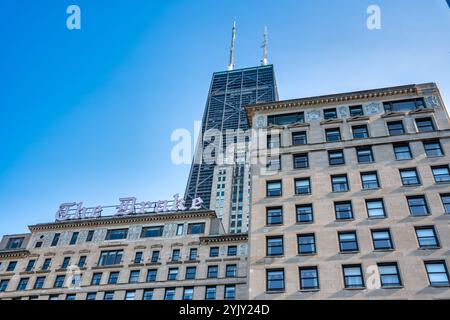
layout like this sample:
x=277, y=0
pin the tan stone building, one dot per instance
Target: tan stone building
x=179, y=255
x=351, y=196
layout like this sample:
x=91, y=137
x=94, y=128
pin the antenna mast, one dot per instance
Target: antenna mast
x=233, y=39
x=265, y=43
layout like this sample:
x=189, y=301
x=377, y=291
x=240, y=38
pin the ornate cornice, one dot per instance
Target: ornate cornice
x=14, y=253
x=342, y=98
x=130, y=219
x=224, y=238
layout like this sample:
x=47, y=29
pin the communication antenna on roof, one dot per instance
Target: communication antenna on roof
x=233, y=39
x=264, y=46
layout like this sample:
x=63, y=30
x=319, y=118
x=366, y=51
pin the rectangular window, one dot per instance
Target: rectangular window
x=360, y=132
x=348, y=241
x=389, y=275
x=343, y=210
x=301, y=161
x=336, y=157
x=90, y=236
x=274, y=216
x=339, y=183
x=172, y=274
x=196, y=228
x=169, y=294
x=214, y=252
x=433, y=148
x=130, y=295
x=137, y=258
x=23, y=283
x=109, y=295
x=369, y=180
x=74, y=238
x=70, y=297
x=213, y=272
x=46, y=264
x=330, y=114
x=299, y=138
x=55, y=240
x=274, y=164
x=191, y=273
x=409, y=177
x=82, y=262
x=65, y=263
x=418, y=206
x=91, y=296
x=356, y=111
x=273, y=141
x=232, y=251
x=59, y=281
x=404, y=105
x=117, y=234
x=113, y=277
x=275, y=280
x=364, y=155
x=4, y=285
x=210, y=293
x=425, y=125
x=188, y=293
x=155, y=256
x=39, y=284
x=193, y=252
x=304, y=213
x=148, y=294
x=176, y=255
x=15, y=243
x=426, y=236
x=402, y=151
x=30, y=265
x=441, y=174
x=230, y=292
x=109, y=258
x=382, y=240
x=273, y=189
x=446, y=202
x=286, y=119
x=274, y=246
x=306, y=244
x=309, y=278
x=134, y=276
x=353, y=277
x=11, y=266
x=302, y=186
x=333, y=135
x=180, y=229
x=152, y=232
x=96, y=279
x=396, y=128
x=53, y=297
x=231, y=271
x=437, y=273
x=151, y=275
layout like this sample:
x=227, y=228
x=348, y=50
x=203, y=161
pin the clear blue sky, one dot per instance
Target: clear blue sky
x=87, y=115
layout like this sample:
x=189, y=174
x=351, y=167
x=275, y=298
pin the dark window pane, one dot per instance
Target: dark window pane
x=299, y=138
x=304, y=213
x=286, y=119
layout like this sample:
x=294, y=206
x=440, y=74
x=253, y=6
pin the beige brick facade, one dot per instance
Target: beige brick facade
x=325, y=227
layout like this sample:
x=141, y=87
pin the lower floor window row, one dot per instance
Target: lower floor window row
x=389, y=276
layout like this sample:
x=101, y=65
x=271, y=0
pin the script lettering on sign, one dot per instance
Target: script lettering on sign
x=127, y=206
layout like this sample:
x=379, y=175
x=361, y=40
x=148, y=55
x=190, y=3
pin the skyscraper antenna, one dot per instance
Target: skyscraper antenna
x=265, y=43
x=233, y=39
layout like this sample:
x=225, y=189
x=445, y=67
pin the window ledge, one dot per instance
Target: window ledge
x=383, y=250
x=355, y=289
x=430, y=248
x=306, y=254
x=349, y=252
x=153, y=264
x=440, y=286
x=274, y=257
x=392, y=287
x=308, y=290
x=275, y=292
